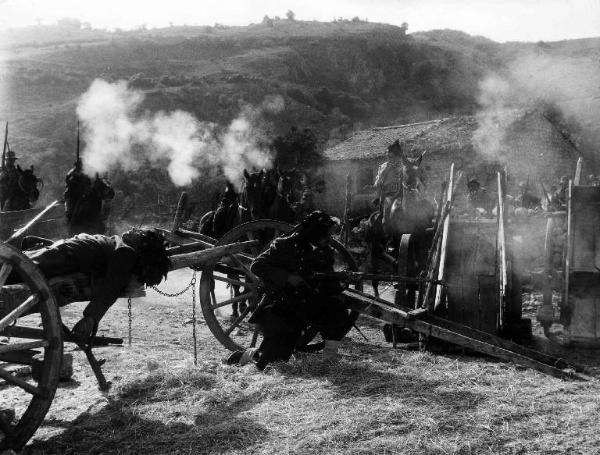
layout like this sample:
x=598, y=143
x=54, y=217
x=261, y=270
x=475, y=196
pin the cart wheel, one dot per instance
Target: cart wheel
x=23, y=309
x=406, y=292
x=234, y=271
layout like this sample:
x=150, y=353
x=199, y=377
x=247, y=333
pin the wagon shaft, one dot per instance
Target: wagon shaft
x=459, y=335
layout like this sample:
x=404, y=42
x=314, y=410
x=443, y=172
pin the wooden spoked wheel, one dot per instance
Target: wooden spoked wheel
x=230, y=283
x=407, y=257
x=29, y=325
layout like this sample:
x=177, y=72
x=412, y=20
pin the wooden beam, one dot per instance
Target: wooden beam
x=444, y=242
x=18, y=311
x=17, y=235
x=455, y=334
x=12, y=379
x=12, y=347
x=200, y=258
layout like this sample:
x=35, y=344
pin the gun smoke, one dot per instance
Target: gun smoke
x=536, y=81
x=118, y=134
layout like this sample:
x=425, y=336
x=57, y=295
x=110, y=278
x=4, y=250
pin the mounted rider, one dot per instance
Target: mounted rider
x=84, y=199
x=9, y=178
x=388, y=180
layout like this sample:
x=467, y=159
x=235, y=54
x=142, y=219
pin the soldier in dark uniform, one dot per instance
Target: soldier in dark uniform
x=78, y=185
x=9, y=179
x=477, y=196
x=293, y=301
x=111, y=263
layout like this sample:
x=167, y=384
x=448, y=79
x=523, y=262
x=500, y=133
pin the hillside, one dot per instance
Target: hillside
x=334, y=77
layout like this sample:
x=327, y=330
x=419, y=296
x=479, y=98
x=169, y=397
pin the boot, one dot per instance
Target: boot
x=330, y=351
x=242, y=357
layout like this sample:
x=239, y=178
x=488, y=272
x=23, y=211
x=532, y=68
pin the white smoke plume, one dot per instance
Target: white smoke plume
x=571, y=84
x=118, y=134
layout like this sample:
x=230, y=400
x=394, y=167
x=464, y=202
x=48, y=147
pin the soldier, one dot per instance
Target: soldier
x=78, y=186
x=388, y=178
x=527, y=199
x=293, y=301
x=111, y=263
x=477, y=196
x=305, y=206
x=9, y=179
x=560, y=196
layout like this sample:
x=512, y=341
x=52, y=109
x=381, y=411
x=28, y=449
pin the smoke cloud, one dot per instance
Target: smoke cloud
x=571, y=84
x=118, y=134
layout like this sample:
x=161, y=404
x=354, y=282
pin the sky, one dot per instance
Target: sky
x=500, y=20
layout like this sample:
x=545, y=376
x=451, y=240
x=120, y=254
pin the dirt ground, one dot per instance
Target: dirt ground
x=376, y=400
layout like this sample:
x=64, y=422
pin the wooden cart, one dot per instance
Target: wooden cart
x=32, y=333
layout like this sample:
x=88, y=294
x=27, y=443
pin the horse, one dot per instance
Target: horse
x=25, y=193
x=406, y=212
x=87, y=214
x=270, y=194
x=226, y=216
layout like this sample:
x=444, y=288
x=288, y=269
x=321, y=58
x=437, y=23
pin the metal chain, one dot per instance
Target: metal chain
x=130, y=317
x=193, y=286
x=177, y=294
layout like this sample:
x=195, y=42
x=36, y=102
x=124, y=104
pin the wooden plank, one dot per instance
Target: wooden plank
x=17, y=312
x=4, y=273
x=569, y=253
x=444, y=243
x=577, y=178
x=17, y=235
x=459, y=335
x=180, y=211
x=12, y=379
x=12, y=347
x=203, y=257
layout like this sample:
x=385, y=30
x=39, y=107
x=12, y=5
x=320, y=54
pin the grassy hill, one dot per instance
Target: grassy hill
x=334, y=77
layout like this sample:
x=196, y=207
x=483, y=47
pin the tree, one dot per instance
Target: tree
x=267, y=21
x=403, y=28
x=297, y=148
x=290, y=15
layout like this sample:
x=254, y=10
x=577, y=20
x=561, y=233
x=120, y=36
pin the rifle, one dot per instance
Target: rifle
x=357, y=277
x=5, y=146
x=78, y=160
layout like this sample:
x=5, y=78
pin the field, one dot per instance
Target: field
x=375, y=400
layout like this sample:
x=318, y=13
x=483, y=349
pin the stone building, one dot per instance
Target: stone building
x=525, y=143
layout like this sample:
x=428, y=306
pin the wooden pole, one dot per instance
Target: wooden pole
x=501, y=251
x=180, y=212
x=444, y=242
x=17, y=235
x=200, y=258
x=577, y=179
x=348, y=202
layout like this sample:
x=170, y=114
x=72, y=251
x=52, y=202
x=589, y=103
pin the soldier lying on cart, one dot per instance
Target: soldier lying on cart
x=110, y=262
x=293, y=301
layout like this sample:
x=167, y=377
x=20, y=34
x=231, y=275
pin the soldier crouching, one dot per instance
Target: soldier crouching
x=293, y=301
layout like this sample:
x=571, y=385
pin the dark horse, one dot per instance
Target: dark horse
x=229, y=213
x=22, y=195
x=87, y=215
x=270, y=194
x=406, y=212
x=265, y=194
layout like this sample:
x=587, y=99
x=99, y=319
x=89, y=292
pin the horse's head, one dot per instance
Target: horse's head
x=253, y=192
x=28, y=183
x=413, y=177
